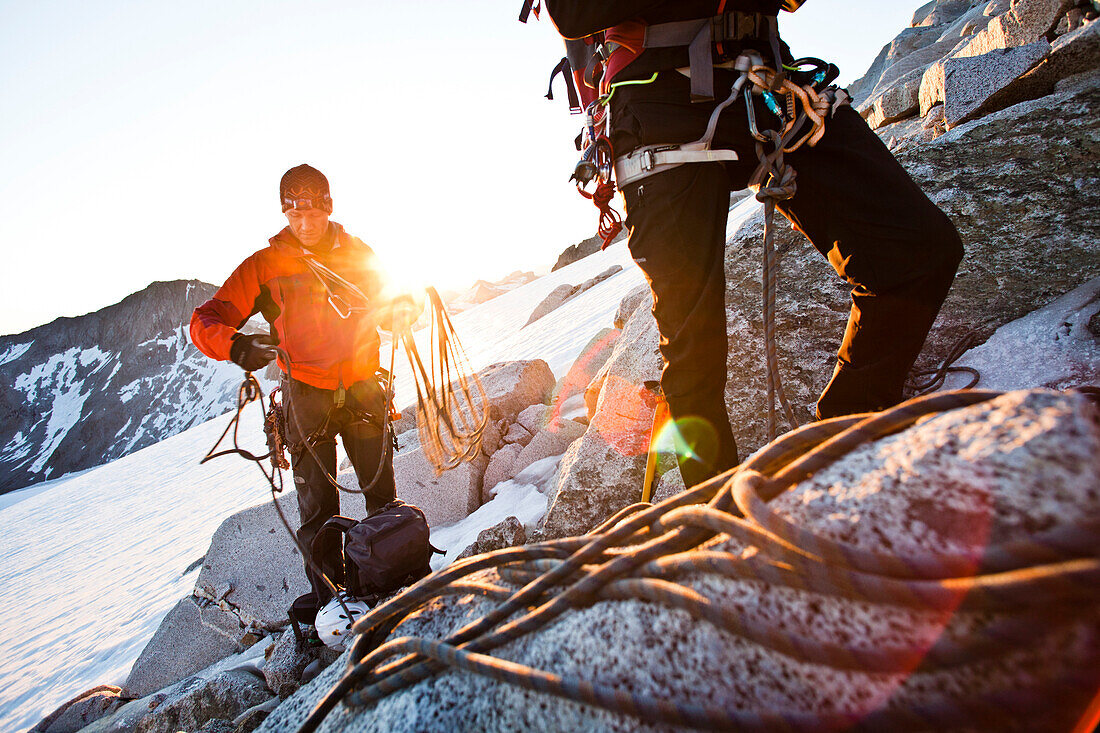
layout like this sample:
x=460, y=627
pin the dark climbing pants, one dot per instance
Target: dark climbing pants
x=856, y=205
x=314, y=419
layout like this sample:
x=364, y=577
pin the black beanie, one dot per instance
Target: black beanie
x=305, y=187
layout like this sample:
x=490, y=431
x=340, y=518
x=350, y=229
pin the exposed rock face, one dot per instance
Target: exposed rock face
x=559, y=295
x=991, y=473
x=285, y=665
x=574, y=384
x=189, y=639
x=83, y=391
x=1064, y=338
x=84, y=709
x=508, y=533
x=1028, y=232
x=552, y=440
x=581, y=250
x=602, y=471
x=976, y=58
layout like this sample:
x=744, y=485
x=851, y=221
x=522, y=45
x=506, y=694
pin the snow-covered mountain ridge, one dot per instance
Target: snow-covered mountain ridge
x=79, y=392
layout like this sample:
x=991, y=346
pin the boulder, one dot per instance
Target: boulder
x=630, y=302
x=259, y=593
x=554, y=298
x=592, y=357
x=285, y=664
x=992, y=473
x=512, y=386
x=221, y=691
x=500, y=466
x=898, y=101
x=508, y=533
x=194, y=635
x=1073, y=57
x=603, y=470
x=562, y=293
x=969, y=82
x=224, y=697
x=670, y=484
x=582, y=249
x=84, y=709
x=444, y=498
x=552, y=440
x=1027, y=21
x=518, y=434
x=534, y=418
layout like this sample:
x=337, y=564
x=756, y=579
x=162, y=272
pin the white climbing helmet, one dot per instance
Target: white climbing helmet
x=333, y=623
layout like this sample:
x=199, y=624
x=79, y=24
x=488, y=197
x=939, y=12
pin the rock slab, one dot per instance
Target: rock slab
x=995, y=472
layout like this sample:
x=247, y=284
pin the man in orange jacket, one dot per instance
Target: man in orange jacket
x=321, y=290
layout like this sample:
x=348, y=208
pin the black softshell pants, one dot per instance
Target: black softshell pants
x=855, y=203
x=314, y=419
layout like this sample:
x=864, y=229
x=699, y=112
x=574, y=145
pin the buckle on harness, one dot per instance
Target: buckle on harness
x=649, y=160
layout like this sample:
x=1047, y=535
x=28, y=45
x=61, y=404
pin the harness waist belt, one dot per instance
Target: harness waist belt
x=651, y=159
x=700, y=36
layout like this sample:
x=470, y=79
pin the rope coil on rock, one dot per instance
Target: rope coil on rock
x=639, y=553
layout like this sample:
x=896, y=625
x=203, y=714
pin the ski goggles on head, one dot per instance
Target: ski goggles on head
x=322, y=202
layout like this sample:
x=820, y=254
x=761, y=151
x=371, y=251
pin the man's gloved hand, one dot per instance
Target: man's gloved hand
x=252, y=352
x=406, y=309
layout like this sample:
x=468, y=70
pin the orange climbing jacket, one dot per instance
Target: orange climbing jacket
x=330, y=336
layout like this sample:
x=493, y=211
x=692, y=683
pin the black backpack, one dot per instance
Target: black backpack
x=386, y=551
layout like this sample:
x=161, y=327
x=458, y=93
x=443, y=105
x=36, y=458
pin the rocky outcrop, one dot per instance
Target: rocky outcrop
x=559, y=295
x=603, y=470
x=79, y=392
x=508, y=533
x=962, y=60
x=582, y=249
x=991, y=473
x=83, y=710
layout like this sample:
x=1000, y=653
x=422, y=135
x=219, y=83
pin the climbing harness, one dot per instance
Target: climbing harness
x=798, y=94
x=642, y=551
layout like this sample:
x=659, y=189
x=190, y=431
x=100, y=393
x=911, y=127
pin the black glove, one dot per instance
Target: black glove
x=252, y=352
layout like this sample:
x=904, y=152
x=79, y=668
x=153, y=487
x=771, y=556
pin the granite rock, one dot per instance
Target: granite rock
x=1028, y=233
x=500, y=466
x=637, y=297
x=552, y=440
x=994, y=472
x=194, y=635
x=259, y=593
x=284, y=665
x=603, y=470
x=84, y=709
x=969, y=82
x=508, y=533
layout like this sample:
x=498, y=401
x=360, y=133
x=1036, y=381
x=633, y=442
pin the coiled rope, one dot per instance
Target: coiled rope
x=637, y=554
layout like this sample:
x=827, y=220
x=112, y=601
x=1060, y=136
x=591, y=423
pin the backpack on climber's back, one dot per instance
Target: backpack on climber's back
x=386, y=551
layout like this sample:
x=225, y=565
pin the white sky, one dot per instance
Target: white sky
x=144, y=141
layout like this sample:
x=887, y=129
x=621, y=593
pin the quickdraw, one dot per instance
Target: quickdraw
x=275, y=430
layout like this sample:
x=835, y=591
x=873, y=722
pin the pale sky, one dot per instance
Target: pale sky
x=144, y=141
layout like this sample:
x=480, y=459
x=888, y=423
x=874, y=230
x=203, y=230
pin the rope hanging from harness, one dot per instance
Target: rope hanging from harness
x=641, y=552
